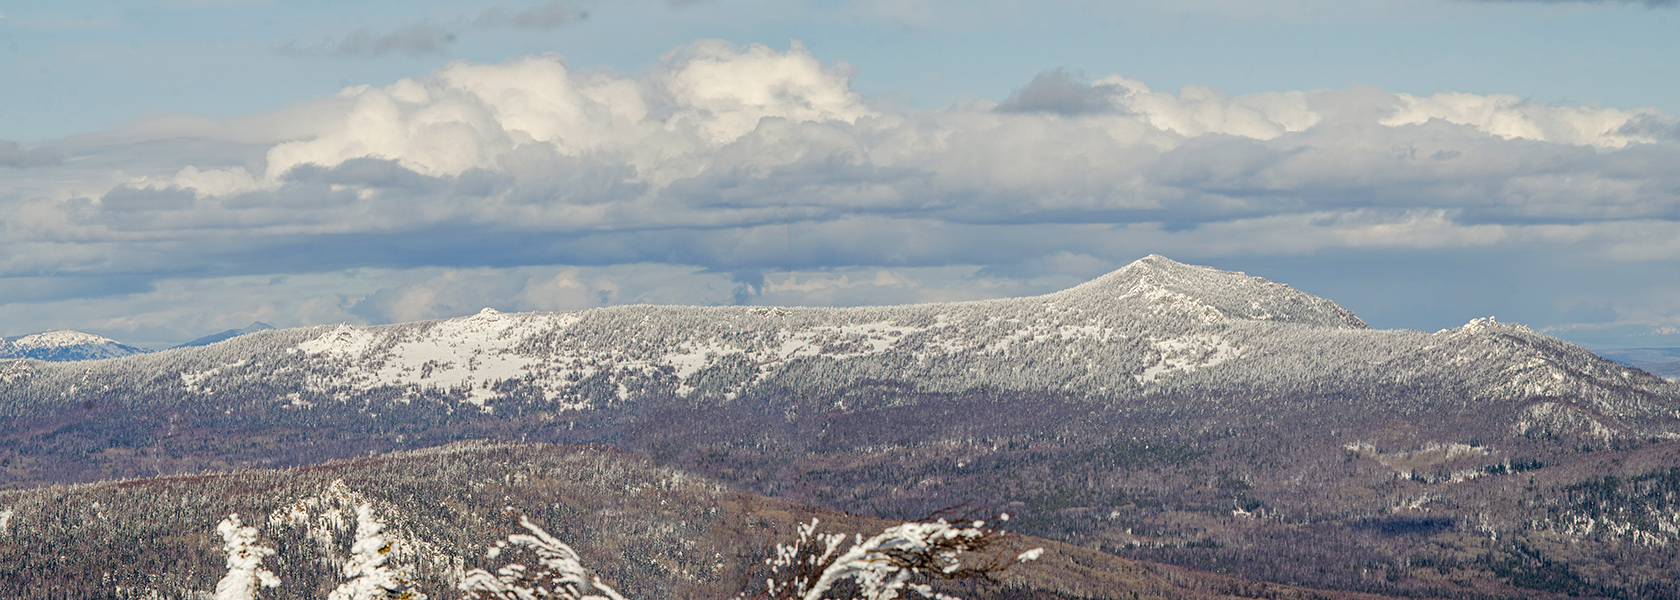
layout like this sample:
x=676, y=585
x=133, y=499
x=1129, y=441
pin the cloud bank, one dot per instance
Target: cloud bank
x=749, y=174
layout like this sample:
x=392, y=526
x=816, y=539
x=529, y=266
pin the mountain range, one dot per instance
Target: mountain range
x=64, y=345
x=1662, y=362
x=1164, y=413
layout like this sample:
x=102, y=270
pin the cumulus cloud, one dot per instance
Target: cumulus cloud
x=1511, y=117
x=764, y=171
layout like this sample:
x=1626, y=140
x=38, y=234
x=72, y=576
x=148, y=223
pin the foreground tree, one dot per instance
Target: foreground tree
x=815, y=566
x=557, y=572
x=369, y=576
x=902, y=558
x=244, y=561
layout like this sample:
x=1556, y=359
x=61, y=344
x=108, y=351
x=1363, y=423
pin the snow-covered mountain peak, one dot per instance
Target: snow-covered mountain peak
x=1487, y=325
x=58, y=339
x=64, y=345
x=344, y=340
x=1157, y=284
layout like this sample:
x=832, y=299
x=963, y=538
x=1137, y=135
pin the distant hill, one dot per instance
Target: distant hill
x=64, y=346
x=1164, y=412
x=226, y=335
x=1662, y=362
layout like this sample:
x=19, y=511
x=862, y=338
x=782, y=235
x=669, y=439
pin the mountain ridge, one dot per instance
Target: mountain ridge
x=64, y=345
x=1164, y=412
x=1155, y=327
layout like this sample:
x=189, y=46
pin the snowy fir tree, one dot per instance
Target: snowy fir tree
x=244, y=561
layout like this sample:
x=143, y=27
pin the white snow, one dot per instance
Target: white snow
x=688, y=360
x=59, y=339
x=1155, y=324
x=192, y=379
x=1163, y=300
x=244, y=561
x=471, y=353
x=370, y=578
x=1185, y=354
x=344, y=341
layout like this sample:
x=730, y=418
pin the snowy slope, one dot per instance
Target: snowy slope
x=64, y=345
x=1155, y=328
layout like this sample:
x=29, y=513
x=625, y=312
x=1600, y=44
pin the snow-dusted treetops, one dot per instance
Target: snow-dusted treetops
x=1153, y=328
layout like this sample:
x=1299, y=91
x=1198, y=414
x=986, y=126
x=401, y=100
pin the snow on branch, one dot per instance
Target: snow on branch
x=559, y=572
x=244, y=561
x=901, y=558
x=370, y=578
x=816, y=566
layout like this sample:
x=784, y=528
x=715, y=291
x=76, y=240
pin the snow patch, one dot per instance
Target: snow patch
x=192, y=379
x=1163, y=300
x=1555, y=418
x=344, y=341
x=470, y=353
x=1410, y=463
x=1185, y=354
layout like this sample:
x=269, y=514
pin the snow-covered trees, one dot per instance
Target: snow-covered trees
x=815, y=566
x=558, y=572
x=900, y=559
x=244, y=561
x=370, y=578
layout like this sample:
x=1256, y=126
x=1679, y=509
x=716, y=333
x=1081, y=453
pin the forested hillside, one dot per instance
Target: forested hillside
x=1163, y=412
x=652, y=532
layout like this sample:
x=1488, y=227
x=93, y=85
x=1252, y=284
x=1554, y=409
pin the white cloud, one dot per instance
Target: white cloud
x=494, y=184
x=1512, y=117
x=470, y=116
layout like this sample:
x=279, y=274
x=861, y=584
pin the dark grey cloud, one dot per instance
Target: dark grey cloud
x=749, y=283
x=1652, y=126
x=426, y=37
x=15, y=156
x=1060, y=91
x=58, y=286
x=542, y=16
x=1647, y=3
x=413, y=40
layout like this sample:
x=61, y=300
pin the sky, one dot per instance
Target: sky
x=173, y=168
